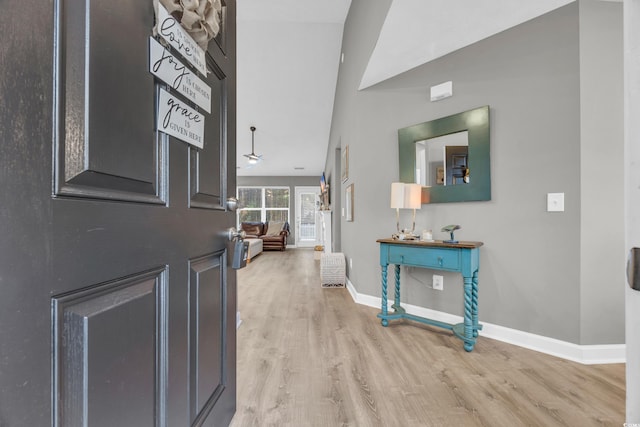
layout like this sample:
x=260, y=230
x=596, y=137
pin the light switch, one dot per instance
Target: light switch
x=555, y=202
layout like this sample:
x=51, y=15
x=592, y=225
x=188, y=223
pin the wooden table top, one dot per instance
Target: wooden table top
x=435, y=243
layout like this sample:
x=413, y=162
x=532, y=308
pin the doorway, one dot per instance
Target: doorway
x=307, y=199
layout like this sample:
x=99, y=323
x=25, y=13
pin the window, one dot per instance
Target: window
x=263, y=204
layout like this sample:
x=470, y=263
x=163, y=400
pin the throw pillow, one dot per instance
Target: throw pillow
x=251, y=230
x=275, y=227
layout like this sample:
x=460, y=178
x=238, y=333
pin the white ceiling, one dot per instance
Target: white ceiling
x=288, y=56
x=418, y=31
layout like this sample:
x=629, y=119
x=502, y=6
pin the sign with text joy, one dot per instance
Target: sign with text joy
x=172, y=71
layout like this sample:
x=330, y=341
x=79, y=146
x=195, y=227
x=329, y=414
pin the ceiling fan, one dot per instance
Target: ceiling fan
x=253, y=157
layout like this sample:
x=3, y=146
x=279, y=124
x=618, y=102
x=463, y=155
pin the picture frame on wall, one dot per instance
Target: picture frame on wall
x=345, y=164
x=440, y=175
x=348, y=203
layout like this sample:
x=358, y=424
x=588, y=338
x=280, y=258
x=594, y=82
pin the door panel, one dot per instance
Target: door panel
x=118, y=304
x=456, y=164
x=112, y=338
x=106, y=144
x=206, y=188
x=207, y=317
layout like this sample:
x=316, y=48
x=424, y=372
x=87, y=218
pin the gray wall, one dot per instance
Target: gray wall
x=283, y=181
x=601, y=172
x=533, y=262
x=632, y=196
x=336, y=203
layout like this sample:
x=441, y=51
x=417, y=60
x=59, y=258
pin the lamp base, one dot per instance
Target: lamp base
x=404, y=236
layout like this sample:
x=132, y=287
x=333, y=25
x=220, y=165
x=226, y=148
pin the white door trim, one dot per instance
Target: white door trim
x=297, y=223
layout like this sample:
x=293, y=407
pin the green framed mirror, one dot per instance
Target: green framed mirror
x=459, y=171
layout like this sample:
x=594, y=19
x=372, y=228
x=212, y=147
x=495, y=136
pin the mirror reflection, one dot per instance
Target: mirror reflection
x=459, y=173
x=443, y=160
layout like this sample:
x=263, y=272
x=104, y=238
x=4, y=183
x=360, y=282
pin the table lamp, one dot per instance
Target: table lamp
x=405, y=196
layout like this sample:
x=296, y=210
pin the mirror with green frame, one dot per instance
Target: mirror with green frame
x=449, y=157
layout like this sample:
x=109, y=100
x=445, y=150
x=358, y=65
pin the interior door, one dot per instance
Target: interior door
x=307, y=228
x=117, y=303
x=456, y=164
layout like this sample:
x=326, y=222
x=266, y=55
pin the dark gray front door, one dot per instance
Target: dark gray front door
x=117, y=303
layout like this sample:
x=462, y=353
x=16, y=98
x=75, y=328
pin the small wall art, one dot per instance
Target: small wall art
x=348, y=203
x=345, y=164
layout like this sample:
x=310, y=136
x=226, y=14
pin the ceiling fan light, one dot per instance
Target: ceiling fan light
x=253, y=157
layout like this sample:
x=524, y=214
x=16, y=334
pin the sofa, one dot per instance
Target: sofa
x=255, y=248
x=273, y=234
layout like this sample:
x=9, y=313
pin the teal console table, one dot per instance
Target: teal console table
x=462, y=257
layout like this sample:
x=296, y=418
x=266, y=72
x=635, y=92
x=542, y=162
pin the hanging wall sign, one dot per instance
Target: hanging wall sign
x=170, y=70
x=170, y=30
x=177, y=119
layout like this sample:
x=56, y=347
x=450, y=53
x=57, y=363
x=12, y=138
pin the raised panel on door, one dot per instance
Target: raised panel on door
x=207, y=166
x=106, y=146
x=207, y=338
x=110, y=353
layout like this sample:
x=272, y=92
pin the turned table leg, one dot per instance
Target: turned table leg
x=474, y=304
x=397, y=289
x=384, y=322
x=469, y=340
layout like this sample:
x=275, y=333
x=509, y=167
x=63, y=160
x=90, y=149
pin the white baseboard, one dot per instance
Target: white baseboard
x=585, y=354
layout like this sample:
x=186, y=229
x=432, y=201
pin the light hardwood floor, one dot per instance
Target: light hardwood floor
x=309, y=356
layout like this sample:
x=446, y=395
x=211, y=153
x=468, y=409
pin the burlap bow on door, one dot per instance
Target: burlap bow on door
x=200, y=18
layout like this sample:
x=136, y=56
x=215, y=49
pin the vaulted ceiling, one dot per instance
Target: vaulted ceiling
x=289, y=55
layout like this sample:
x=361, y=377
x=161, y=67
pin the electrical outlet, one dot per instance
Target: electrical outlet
x=438, y=282
x=350, y=263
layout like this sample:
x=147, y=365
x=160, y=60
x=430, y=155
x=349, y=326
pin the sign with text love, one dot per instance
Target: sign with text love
x=170, y=30
x=177, y=119
x=170, y=70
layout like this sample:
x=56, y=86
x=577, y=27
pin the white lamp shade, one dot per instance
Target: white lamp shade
x=406, y=196
x=397, y=195
x=413, y=196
